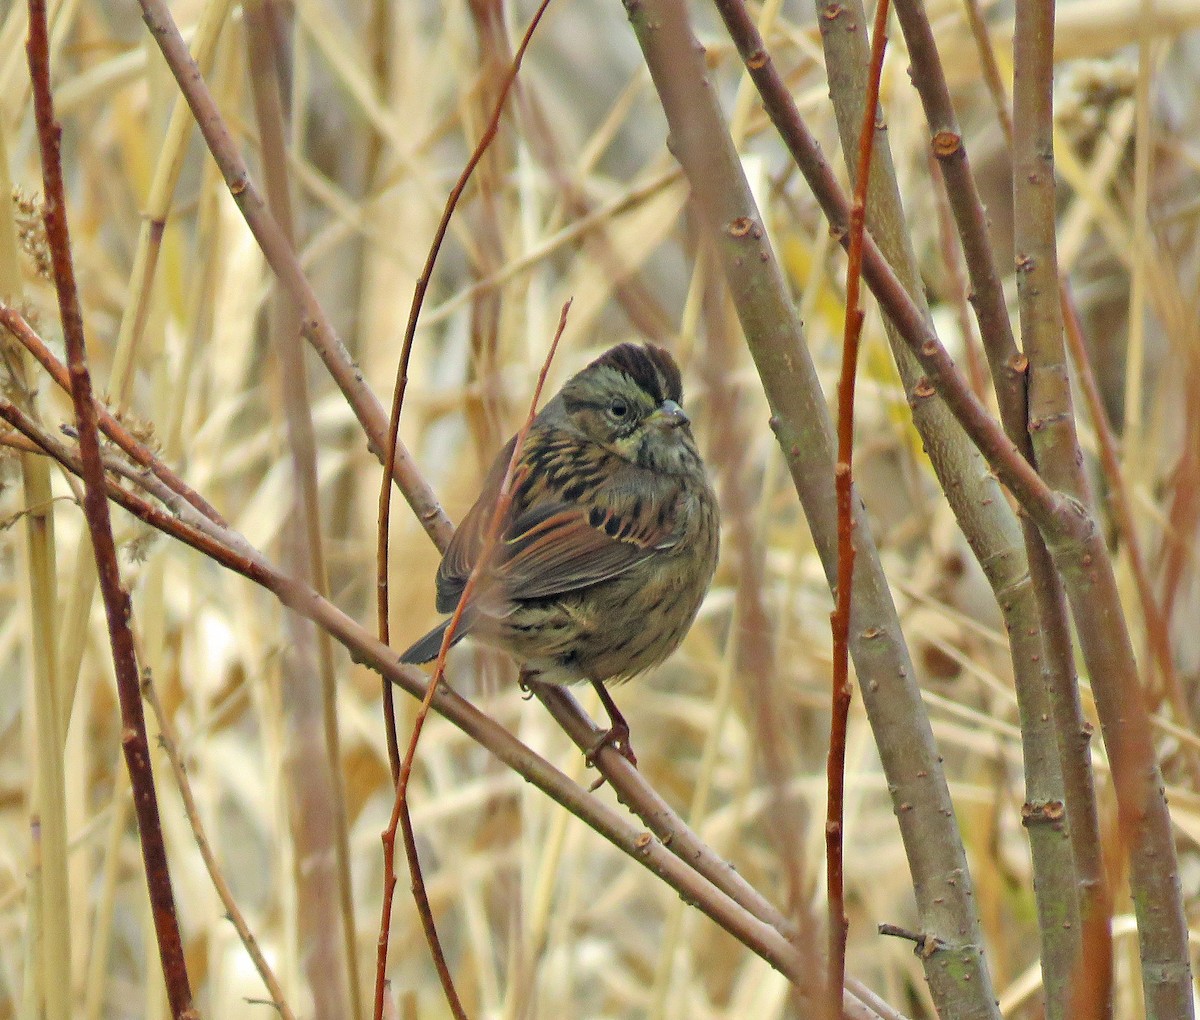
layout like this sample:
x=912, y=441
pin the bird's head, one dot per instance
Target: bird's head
x=629, y=401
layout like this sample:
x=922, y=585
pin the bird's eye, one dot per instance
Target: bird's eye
x=618, y=408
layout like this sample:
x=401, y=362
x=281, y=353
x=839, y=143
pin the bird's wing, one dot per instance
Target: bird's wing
x=553, y=546
x=459, y=558
x=560, y=548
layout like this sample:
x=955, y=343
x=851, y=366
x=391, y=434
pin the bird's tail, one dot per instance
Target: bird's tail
x=427, y=648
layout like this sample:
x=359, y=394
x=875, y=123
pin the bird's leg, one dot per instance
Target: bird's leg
x=617, y=734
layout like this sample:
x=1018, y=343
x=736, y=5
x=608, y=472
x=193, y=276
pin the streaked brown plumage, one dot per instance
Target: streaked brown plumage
x=610, y=543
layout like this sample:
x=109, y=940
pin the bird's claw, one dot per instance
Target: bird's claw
x=616, y=737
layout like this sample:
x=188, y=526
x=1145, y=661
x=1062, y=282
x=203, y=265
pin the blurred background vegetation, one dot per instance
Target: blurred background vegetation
x=578, y=197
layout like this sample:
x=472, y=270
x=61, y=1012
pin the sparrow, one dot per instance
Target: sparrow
x=610, y=542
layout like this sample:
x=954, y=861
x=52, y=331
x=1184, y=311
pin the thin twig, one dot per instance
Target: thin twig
x=835, y=769
x=116, y=601
x=401, y=772
x=401, y=384
x=400, y=809
x=170, y=745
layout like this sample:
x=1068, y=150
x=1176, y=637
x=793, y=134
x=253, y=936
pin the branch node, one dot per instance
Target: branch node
x=946, y=144
x=924, y=944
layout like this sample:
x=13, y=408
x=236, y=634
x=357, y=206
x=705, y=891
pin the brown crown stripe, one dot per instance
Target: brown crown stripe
x=650, y=367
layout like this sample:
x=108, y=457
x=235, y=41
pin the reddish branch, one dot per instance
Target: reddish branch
x=844, y=482
x=402, y=772
x=410, y=330
x=95, y=504
x=400, y=810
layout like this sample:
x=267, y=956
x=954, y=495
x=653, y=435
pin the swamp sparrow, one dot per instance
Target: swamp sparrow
x=609, y=545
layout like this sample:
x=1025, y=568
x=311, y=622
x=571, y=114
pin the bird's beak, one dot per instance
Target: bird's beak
x=669, y=415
